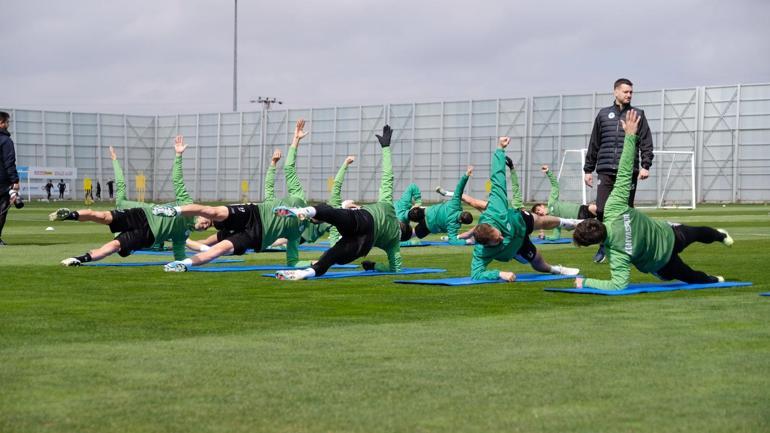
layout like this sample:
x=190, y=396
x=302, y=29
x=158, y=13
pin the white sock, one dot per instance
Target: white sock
x=178, y=210
x=449, y=194
x=567, y=223
x=556, y=269
x=309, y=211
x=309, y=272
x=187, y=262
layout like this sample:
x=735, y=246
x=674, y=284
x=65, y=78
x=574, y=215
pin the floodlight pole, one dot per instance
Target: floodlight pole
x=235, y=57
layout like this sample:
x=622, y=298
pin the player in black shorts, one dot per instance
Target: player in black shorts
x=240, y=227
x=138, y=228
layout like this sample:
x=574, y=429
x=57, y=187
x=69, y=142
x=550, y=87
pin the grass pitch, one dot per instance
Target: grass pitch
x=139, y=350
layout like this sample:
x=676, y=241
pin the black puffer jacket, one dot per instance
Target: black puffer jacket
x=8, y=174
x=606, y=143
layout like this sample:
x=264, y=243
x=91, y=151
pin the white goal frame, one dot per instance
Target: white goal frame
x=665, y=181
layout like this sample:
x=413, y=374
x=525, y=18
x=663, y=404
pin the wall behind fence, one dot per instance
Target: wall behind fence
x=728, y=128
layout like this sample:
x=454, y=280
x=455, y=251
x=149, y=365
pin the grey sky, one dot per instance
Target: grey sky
x=168, y=56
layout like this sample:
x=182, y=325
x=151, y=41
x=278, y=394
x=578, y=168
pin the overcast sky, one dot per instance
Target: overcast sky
x=169, y=56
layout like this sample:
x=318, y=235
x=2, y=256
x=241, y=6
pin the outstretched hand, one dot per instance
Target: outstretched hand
x=179, y=145
x=631, y=122
x=299, y=131
x=579, y=283
x=503, y=142
x=469, y=171
x=544, y=168
x=276, y=156
x=350, y=159
x=384, y=139
x=113, y=155
x=508, y=276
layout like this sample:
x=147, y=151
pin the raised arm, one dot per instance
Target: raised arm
x=456, y=204
x=293, y=184
x=498, y=194
x=120, y=181
x=177, y=175
x=516, y=200
x=335, y=199
x=386, y=183
x=617, y=203
x=554, y=197
x=270, y=176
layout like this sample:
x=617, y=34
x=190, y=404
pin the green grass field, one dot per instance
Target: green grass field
x=140, y=350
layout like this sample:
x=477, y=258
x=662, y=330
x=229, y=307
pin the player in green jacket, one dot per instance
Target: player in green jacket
x=503, y=232
x=446, y=217
x=373, y=225
x=137, y=227
x=631, y=237
x=560, y=208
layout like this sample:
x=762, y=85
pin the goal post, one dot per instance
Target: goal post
x=671, y=183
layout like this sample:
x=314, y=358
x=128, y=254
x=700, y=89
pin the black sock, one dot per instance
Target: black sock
x=74, y=215
x=85, y=258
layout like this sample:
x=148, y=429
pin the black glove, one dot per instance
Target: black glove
x=385, y=137
x=509, y=162
x=367, y=265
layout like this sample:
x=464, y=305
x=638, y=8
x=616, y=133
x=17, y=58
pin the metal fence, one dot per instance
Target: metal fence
x=728, y=128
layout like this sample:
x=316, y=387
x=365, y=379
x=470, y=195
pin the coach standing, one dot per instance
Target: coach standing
x=606, y=146
x=9, y=178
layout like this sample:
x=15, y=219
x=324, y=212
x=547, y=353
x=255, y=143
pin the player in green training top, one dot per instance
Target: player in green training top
x=446, y=217
x=503, y=232
x=560, y=208
x=294, y=187
x=137, y=227
x=373, y=225
x=631, y=237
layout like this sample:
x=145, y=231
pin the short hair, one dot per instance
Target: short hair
x=537, y=205
x=484, y=233
x=466, y=217
x=4, y=116
x=621, y=81
x=416, y=214
x=590, y=231
x=406, y=231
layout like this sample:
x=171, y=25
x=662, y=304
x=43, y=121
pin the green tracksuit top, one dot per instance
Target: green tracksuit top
x=559, y=208
x=411, y=196
x=335, y=200
x=445, y=217
x=632, y=237
x=274, y=227
x=509, y=221
x=294, y=187
x=176, y=229
x=387, y=230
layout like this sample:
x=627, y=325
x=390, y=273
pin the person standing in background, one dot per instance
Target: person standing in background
x=9, y=177
x=606, y=146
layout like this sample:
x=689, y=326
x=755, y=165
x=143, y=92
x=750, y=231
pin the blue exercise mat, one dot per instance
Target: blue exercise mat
x=633, y=289
x=151, y=263
x=159, y=253
x=405, y=271
x=302, y=247
x=538, y=241
x=765, y=294
x=468, y=281
x=251, y=268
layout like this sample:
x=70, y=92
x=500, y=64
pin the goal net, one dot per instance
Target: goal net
x=671, y=183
